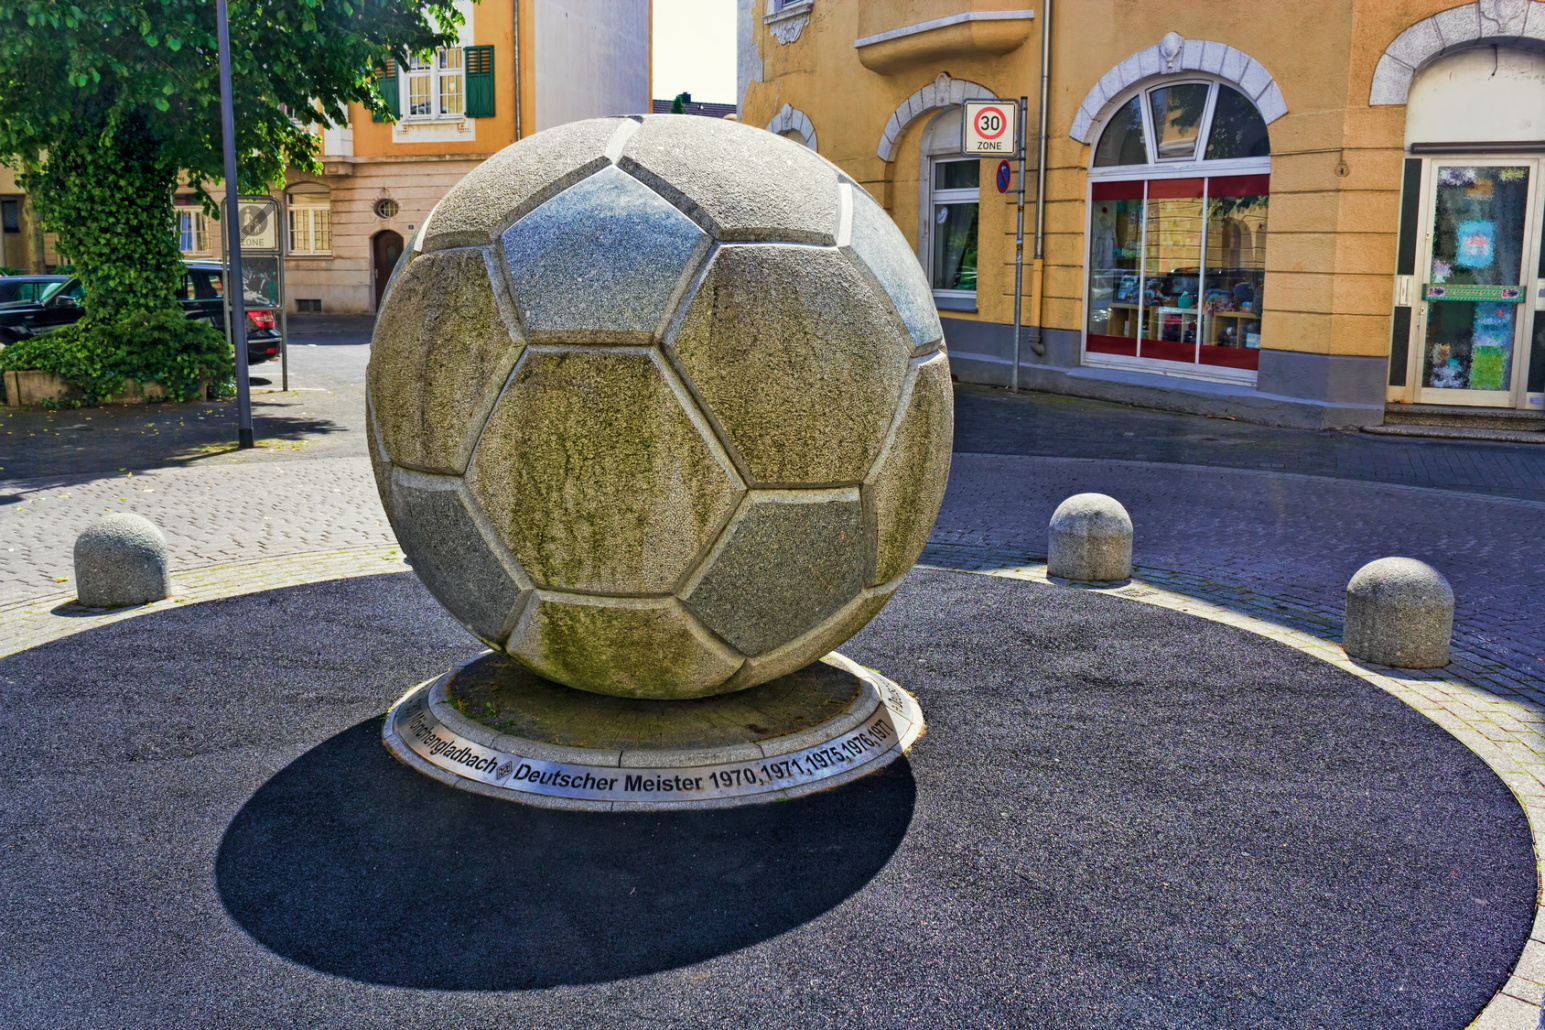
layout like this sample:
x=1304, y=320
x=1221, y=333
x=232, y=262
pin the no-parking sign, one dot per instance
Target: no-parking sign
x=988, y=127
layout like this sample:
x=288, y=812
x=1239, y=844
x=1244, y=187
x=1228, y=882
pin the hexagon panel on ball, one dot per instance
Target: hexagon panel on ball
x=660, y=406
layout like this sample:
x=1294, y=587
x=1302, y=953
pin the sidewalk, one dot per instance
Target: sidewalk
x=1286, y=513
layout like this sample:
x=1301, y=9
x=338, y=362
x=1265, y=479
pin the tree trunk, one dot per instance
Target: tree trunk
x=107, y=193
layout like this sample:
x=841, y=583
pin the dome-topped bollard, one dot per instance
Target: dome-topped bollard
x=121, y=560
x=1400, y=612
x=1090, y=540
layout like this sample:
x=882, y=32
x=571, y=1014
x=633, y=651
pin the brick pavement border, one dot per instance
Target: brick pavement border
x=1485, y=706
x=38, y=620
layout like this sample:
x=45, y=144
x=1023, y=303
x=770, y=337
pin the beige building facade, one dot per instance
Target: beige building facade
x=520, y=66
x=1287, y=212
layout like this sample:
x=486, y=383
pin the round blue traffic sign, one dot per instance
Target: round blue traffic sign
x=1004, y=175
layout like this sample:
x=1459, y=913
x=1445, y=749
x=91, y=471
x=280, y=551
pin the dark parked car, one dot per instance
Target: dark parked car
x=15, y=288
x=202, y=294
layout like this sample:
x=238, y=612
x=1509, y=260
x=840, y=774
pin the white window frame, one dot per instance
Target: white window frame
x=937, y=197
x=308, y=224
x=443, y=75
x=1194, y=167
x=1174, y=167
x=191, y=222
x=941, y=145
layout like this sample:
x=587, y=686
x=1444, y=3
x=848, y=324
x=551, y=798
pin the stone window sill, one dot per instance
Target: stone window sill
x=954, y=301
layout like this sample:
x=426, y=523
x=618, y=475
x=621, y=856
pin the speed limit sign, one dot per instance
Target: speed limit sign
x=988, y=127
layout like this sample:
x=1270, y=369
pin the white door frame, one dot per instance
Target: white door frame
x=1413, y=288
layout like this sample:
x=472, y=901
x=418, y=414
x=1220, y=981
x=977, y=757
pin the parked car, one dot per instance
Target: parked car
x=14, y=288
x=202, y=294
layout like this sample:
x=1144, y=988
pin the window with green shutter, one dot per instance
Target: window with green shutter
x=386, y=82
x=480, y=81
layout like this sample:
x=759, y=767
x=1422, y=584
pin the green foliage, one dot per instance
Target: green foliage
x=104, y=102
x=679, y=104
x=77, y=68
x=106, y=197
x=152, y=347
x=12, y=270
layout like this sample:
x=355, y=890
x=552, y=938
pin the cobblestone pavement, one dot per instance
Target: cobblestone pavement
x=993, y=421
x=1209, y=497
x=321, y=416
x=1297, y=537
x=209, y=515
x=306, y=487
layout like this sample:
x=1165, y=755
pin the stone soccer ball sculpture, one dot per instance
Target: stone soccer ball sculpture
x=660, y=406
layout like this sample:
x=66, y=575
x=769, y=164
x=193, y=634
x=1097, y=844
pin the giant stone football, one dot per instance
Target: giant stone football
x=660, y=406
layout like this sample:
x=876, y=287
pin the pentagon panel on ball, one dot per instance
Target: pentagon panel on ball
x=440, y=353
x=659, y=410
x=798, y=357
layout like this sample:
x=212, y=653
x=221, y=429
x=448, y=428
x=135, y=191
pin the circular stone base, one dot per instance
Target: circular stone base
x=491, y=727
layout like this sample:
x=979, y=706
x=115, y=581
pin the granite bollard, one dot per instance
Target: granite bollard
x=1400, y=612
x=1090, y=540
x=121, y=559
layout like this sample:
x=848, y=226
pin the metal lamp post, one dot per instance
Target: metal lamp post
x=234, y=288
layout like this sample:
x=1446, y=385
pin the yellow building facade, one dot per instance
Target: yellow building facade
x=1287, y=212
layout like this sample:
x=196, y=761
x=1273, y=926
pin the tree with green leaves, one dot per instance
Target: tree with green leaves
x=679, y=104
x=104, y=103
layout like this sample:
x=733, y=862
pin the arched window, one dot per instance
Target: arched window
x=1179, y=189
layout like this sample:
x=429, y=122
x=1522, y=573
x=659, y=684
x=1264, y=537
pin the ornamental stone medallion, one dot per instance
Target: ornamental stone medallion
x=660, y=412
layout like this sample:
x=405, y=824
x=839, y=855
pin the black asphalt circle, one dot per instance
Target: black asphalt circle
x=1122, y=816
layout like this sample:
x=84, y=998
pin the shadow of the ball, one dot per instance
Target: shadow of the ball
x=357, y=866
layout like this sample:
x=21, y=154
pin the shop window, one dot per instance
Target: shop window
x=192, y=232
x=310, y=220
x=955, y=198
x=1123, y=142
x=1238, y=130
x=1177, y=119
x=1177, y=242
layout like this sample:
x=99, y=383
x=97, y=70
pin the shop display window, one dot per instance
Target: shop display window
x=1177, y=261
x=1479, y=218
x=1115, y=267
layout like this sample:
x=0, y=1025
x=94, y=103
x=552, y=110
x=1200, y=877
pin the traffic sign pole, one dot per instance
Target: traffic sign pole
x=234, y=281
x=1019, y=240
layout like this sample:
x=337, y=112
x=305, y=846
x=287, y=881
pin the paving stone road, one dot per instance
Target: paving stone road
x=1291, y=513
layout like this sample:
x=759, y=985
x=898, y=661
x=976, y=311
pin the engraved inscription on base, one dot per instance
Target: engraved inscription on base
x=893, y=726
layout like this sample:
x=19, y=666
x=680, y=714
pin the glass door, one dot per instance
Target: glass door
x=1470, y=341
